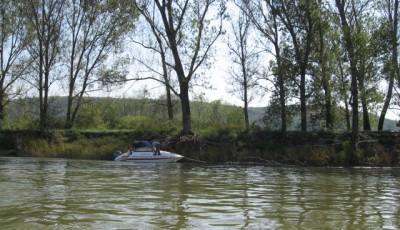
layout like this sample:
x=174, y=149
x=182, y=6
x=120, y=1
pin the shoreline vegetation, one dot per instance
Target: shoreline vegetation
x=314, y=65
x=107, y=125
x=224, y=146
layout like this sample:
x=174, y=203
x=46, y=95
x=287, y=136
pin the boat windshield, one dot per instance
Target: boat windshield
x=143, y=146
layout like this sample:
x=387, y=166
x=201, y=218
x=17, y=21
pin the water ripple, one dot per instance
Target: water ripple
x=59, y=194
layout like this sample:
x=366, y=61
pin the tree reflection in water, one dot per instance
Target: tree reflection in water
x=42, y=193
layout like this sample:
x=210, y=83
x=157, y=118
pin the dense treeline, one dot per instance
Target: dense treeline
x=336, y=59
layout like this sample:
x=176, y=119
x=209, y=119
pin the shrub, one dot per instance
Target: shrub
x=83, y=148
x=220, y=132
x=135, y=122
x=90, y=118
x=143, y=125
x=320, y=156
x=23, y=122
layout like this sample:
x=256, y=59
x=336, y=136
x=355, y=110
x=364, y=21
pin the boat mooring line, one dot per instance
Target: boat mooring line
x=194, y=160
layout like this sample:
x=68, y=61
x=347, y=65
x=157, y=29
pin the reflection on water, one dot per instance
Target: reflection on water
x=43, y=193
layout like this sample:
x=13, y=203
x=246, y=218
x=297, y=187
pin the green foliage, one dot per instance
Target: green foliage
x=142, y=124
x=219, y=145
x=90, y=117
x=136, y=122
x=272, y=119
x=111, y=76
x=235, y=117
x=208, y=118
x=221, y=132
x=111, y=115
x=84, y=148
x=23, y=122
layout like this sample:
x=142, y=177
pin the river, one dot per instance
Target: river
x=71, y=194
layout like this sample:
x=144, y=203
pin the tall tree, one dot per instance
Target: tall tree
x=244, y=55
x=391, y=10
x=363, y=25
x=94, y=29
x=45, y=19
x=323, y=27
x=369, y=52
x=343, y=87
x=13, y=42
x=363, y=55
x=299, y=20
x=265, y=19
x=160, y=48
x=187, y=22
x=347, y=33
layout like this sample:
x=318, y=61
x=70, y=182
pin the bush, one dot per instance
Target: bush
x=90, y=118
x=136, y=123
x=220, y=132
x=84, y=148
x=320, y=156
x=23, y=122
x=144, y=125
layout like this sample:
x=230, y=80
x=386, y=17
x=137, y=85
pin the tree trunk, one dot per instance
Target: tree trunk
x=301, y=54
x=325, y=82
x=46, y=75
x=328, y=105
x=166, y=80
x=79, y=99
x=46, y=102
x=1, y=109
x=394, y=69
x=41, y=111
x=245, y=86
x=303, y=106
x=387, y=102
x=344, y=96
x=42, y=72
x=68, y=122
x=169, y=104
x=347, y=113
x=281, y=85
x=366, y=122
x=354, y=105
x=246, y=112
x=186, y=117
x=282, y=101
x=184, y=93
x=354, y=75
x=281, y=81
x=75, y=111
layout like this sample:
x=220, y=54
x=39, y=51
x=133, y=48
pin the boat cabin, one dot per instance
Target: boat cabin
x=142, y=146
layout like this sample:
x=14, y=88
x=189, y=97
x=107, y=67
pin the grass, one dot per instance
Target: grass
x=81, y=148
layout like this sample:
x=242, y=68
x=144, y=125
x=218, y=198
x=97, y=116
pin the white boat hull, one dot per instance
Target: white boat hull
x=149, y=157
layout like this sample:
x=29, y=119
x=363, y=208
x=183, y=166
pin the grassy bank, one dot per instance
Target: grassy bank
x=221, y=146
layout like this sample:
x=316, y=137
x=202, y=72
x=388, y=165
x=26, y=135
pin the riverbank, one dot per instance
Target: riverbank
x=258, y=147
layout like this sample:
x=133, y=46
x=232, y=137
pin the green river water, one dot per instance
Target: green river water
x=72, y=194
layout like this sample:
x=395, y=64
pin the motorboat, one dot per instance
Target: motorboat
x=147, y=152
x=149, y=157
